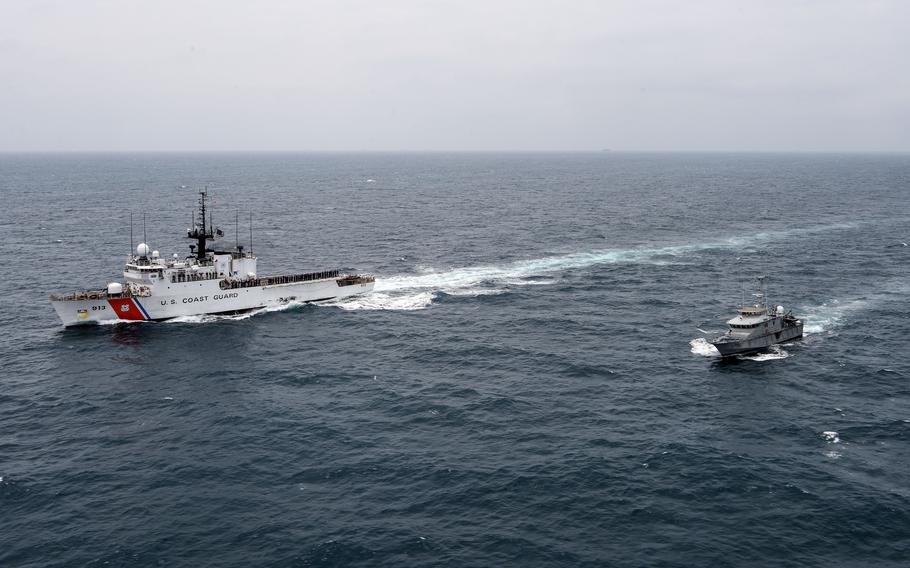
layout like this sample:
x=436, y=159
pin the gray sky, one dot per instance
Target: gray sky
x=824, y=75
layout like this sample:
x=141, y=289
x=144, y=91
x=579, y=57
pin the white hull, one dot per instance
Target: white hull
x=199, y=298
x=208, y=281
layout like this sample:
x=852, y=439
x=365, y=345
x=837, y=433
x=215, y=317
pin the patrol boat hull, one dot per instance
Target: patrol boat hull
x=730, y=348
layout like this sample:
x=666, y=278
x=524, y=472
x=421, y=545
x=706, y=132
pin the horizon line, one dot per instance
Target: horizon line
x=460, y=151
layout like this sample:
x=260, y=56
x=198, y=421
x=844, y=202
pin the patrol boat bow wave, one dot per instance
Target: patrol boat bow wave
x=208, y=281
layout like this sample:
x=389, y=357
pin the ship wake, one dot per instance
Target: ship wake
x=417, y=291
x=209, y=318
x=828, y=317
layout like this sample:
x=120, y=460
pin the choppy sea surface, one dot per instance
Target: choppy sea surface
x=529, y=385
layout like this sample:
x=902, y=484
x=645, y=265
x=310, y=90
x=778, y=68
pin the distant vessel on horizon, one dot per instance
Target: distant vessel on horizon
x=757, y=327
x=208, y=281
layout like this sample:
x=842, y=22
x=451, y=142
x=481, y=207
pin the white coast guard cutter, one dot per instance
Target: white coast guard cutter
x=208, y=281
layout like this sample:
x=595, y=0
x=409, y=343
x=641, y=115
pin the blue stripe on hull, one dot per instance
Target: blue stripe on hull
x=142, y=309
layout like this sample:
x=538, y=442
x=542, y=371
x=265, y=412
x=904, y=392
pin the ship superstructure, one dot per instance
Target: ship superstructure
x=758, y=327
x=207, y=281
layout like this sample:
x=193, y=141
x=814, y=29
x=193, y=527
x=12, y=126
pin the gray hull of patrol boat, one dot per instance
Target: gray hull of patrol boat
x=757, y=327
x=729, y=346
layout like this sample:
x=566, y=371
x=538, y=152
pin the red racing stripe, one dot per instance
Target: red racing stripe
x=126, y=309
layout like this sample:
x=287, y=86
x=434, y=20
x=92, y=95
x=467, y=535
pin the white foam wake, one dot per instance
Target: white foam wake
x=827, y=317
x=208, y=318
x=700, y=346
x=831, y=437
x=417, y=291
x=386, y=301
x=119, y=322
x=833, y=314
x=774, y=353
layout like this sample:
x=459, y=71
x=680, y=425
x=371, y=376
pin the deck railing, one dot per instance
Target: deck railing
x=91, y=295
x=226, y=284
x=231, y=283
x=180, y=277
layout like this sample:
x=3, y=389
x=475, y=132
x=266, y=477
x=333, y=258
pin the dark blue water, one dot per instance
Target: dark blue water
x=529, y=385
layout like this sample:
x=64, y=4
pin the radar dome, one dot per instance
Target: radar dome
x=115, y=288
x=142, y=249
x=780, y=310
x=155, y=254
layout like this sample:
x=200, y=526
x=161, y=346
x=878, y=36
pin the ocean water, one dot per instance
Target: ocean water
x=529, y=384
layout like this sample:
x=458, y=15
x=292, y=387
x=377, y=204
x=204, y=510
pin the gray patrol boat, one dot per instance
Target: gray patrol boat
x=758, y=327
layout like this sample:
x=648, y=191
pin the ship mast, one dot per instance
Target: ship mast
x=200, y=233
x=761, y=298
